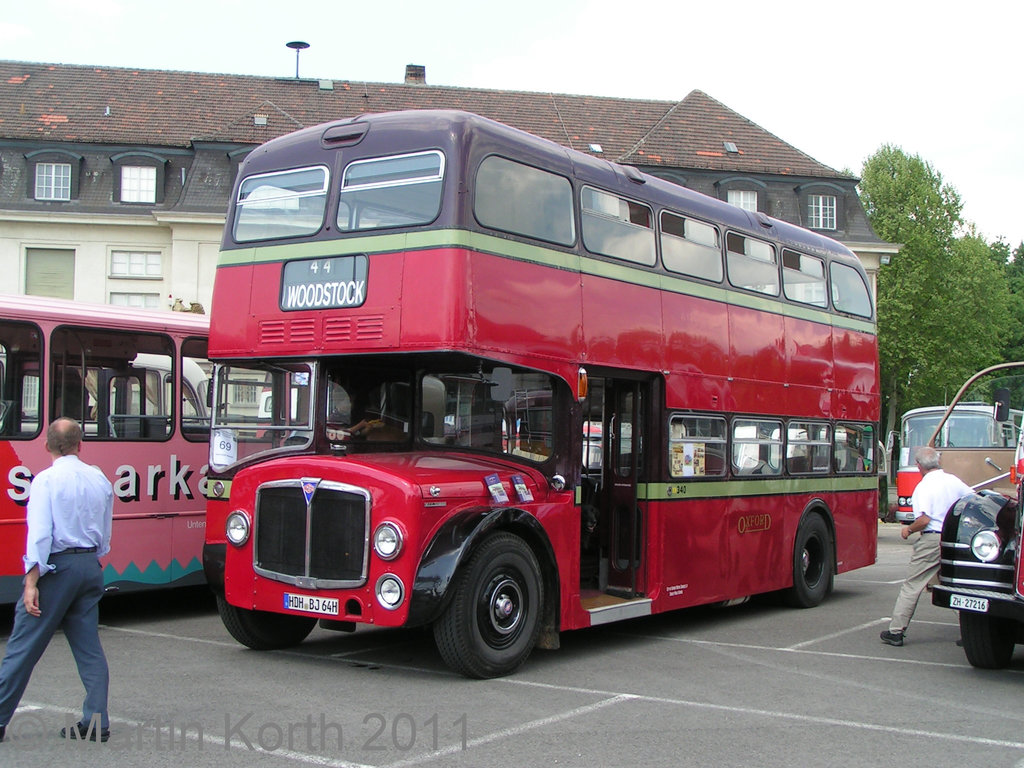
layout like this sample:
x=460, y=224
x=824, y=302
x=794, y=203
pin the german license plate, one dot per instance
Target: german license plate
x=963, y=602
x=311, y=604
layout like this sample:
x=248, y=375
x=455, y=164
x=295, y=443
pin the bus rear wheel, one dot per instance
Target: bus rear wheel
x=262, y=630
x=493, y=619
x=988, y=640
x=812, y=563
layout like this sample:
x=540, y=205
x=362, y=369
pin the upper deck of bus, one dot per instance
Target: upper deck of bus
x=451, y=282
x=464, y=139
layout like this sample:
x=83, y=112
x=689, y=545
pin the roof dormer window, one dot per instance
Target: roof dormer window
x=138, y=178
x=53, y=175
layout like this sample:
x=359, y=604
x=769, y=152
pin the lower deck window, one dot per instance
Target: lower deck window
x=697, y=446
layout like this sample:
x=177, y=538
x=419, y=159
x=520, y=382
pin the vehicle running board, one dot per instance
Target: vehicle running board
x=605, y=609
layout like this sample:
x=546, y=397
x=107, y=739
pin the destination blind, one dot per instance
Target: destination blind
x=327, y=283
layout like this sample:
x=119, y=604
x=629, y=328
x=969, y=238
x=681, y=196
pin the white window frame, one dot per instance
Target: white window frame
x=821, y=212
x=743, y=198
x=138, y=265
x=138, y=184
x=135, y=300
x=53, y=181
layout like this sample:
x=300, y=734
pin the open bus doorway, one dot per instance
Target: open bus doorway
x=613, y=524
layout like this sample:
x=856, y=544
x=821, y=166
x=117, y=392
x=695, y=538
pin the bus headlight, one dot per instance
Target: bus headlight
x=236, y=527
x=986, y=545
x=390, y=592
x=387, y=541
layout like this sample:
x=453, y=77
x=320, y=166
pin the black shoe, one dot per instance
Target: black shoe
x=81, y=733
x=892, y=638
x=3, y=732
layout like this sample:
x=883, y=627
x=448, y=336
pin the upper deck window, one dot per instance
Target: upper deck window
x=803, y=278
x=285, y=204
x=524, y=200
x=397, y=191
x=614, y=226
x=690, y=247
x=752, y=264
x=849, y=291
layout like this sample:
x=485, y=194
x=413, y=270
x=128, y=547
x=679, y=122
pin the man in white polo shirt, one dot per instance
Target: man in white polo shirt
x=934, y=495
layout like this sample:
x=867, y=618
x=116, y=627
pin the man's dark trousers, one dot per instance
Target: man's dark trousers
x=69, y=599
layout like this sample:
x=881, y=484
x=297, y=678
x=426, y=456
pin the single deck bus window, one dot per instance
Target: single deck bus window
x=524, y=200
x=808, y=446
x=803, y=278
x=616, y=227
x=398, y=191
x=195, y=391
x=286, y=204
x=20, y=394
x=756, y=447
x=690, y=247
x=696, y=446
x=114, y=384
x=849, y=291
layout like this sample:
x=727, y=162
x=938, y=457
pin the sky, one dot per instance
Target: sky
x=938, y=79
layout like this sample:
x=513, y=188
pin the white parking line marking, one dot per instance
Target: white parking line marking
x=515, y=730
x=169, y=636
x=607, y=698
x=834, y=635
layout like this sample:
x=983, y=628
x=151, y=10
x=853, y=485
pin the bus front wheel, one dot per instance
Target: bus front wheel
x=988, y=640
x=812, y=563
x=492, y=622
x=262, y=630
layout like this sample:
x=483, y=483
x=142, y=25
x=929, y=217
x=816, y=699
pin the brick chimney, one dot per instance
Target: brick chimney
x=415, y=74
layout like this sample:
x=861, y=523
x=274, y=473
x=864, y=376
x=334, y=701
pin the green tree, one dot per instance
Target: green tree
x=1014, y=333
x=943, y=301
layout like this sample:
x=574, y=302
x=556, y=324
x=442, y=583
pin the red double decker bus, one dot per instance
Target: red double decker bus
x=471, y=379
x=137, y=381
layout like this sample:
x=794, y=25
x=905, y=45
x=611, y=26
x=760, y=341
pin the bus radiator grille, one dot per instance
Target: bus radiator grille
x=324, y=545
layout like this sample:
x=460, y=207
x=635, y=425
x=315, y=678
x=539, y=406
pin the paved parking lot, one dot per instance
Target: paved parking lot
x=754, y=685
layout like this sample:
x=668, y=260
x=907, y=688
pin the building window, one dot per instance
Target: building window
x=136, y=264
x=138, y=184
x=50, y=272
x=53, y=181
x=136, y=300
x=743, y=198
x=821, y=212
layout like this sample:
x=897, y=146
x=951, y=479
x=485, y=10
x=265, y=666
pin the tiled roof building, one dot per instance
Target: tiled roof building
x=123, y=175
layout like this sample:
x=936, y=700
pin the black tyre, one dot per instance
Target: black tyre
x=812, y=564
x=261, y=630
x=988, y=640
x=493, y=619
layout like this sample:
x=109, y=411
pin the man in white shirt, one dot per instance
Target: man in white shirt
x=934, y=495
x=70, y=509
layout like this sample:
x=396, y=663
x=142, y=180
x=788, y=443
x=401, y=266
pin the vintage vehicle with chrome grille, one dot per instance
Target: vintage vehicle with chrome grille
x=981, y=576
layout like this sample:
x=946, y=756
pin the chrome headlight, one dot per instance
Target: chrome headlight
x=390, y=591
x=387, y=541
x=986, y=545
x=236, y=527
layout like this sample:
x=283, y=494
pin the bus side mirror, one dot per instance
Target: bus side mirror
x=1001, y=409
